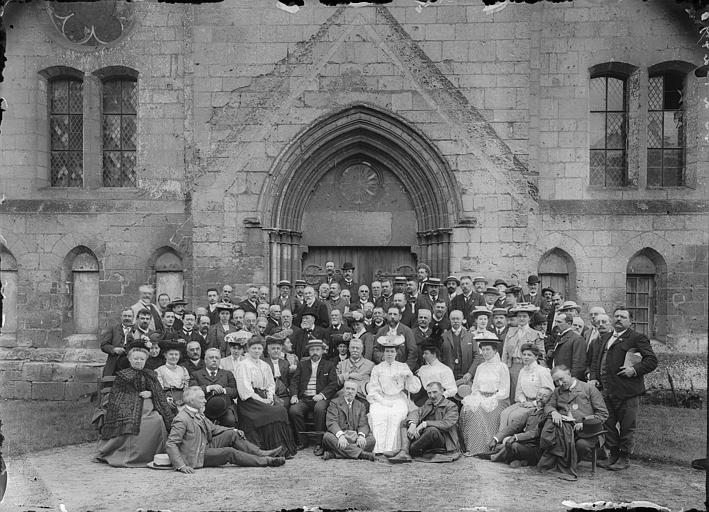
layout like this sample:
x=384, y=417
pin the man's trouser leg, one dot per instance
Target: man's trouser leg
x=431, y=439
x=330, y=444
x=620, y=439
x=297, y=415
x=521, y=451
x=221, y=456
x=320, y=414
x=584, y=448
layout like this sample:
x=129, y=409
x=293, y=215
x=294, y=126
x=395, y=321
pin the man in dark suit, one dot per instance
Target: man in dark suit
x=285, y=300
x=385, y=299
x=312, y=386
x=422, y=332
x=193, y=361
x=314, y=307
x=308, y=331
x=407, y=310
x=215, y=382
x=459, y=350
x=250, y=303
x=405, y=353
x=499, y=326
x=347, y=282
x=427, y=299
x=330, y=275
x=467, y=300
x=570, y=348
x=625, y=357
x=348, y=435
x=439, y=316
x=533, y=296
x=212, y=300
x=335, y=334
x=378, y=321
x=114, y=341
x=177, y=306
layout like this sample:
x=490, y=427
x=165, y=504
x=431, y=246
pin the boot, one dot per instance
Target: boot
x=622, y=463
x=403, y=455
x=606, y=464
x=275, y=461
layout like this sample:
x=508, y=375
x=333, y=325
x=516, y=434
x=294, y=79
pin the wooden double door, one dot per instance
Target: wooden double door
x=371, y=263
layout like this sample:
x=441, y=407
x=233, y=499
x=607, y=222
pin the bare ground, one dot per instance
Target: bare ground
x=45, y=480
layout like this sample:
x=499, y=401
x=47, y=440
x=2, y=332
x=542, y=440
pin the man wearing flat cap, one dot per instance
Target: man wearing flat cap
x=313, y=384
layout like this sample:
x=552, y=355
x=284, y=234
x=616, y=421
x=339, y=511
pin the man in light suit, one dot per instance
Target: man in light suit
x=114, y=341
x=195, y=442
x=145, y=302
x=459, y=350
x=348, y=435
x=215, y=381
x=625, y=356
x=405, y=353
x=312, y=386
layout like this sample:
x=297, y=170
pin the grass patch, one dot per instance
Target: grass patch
x=30, y=426
x=671, y=434
x=665, y=434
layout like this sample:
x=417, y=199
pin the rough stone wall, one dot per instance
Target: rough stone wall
x=226, y=88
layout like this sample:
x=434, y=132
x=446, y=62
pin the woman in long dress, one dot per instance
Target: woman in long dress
x=236, y=342
x=137, y=417
x=480, y=414
x=523, y=334
x=263, y=422
x=173, y=378
x=386, y=392
x=532, y=377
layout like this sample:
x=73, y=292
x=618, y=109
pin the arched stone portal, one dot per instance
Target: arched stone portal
x=343, y=142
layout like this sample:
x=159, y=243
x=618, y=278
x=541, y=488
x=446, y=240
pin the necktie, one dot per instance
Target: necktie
x=349, y=414
x=213, y=374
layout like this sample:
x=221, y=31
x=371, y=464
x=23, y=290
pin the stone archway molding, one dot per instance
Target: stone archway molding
x=373, y=133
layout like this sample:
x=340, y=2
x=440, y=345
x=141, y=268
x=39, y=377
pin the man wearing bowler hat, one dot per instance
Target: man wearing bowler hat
x=347, y=281
x=177, y=306
x=533, y=296
x=219, y=387
x=313, y=384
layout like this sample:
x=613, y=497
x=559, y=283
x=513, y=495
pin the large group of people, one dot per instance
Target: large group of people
x=412, y=368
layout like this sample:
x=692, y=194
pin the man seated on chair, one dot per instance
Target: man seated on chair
x=219, y=387
x=312, y=386
x=518, y=445
x=195, y=442
x=572, y=405
x=432, y=432
x=348, y=435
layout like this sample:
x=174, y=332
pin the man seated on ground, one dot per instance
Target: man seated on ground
x=434, y=371
x=348, y=435
x=432, y=432
x=216, y=382
x=312, y=386
x=195, y=442
x=571, y=406
x=356, y=369
x=518, y=444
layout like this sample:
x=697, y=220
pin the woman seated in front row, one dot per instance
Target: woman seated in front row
x=138, y=415
x=173, y=378
x=264, y=422
x=480, y=414
x=532, y=377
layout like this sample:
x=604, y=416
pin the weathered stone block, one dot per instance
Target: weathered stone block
x=77, y=390
x=85, y=373
x=16, y=390
x=48, y=391
x=35, y=372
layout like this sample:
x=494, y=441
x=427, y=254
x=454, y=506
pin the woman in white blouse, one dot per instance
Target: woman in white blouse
x=480, y=414
x=173, y=378
x=532, y=377
x=263, y=422
x=386, y=392
x=523, y=334
x=237, y=346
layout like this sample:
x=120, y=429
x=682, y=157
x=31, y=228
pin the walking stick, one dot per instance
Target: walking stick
x=672, y=387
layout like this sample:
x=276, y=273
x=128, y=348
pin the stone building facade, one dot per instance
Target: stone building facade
x=194, y=145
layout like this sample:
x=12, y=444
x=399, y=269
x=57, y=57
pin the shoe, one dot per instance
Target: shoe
x=606, y=464
x=515, y=464
x=367, y=456
x=300, y=446
x=276, y=452
x=700, y=464
x=327, y=455
x=275, y=461
x=318, y=451
x=400, y=458
x=389, y=454
x=568, y=478
x=622, y=463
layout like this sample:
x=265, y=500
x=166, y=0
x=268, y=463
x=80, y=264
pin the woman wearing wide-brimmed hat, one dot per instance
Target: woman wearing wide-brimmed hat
x=521, y=335
x=480, y=318
x=386, y=392
x=137, y=416
x=480, y=414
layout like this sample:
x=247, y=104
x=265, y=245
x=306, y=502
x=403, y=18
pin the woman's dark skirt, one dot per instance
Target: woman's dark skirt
x=266, y=425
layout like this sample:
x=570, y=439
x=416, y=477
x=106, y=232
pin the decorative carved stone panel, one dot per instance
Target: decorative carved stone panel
x=92, y=24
